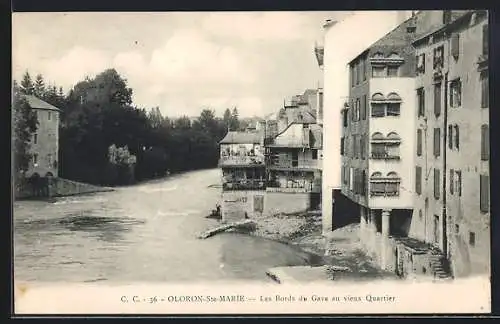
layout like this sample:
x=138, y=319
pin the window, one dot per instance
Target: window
x=450, y=137
x=358, y=72
x=455, y=45
x=351, y=179
x=378, y=72
x=363, y=183
x=384, y=186
x=363, y=62
x=457, y=137
x=35, y=138
x=314, y=154
x=392, y=71
x=35, y=158
x=484, y=193
x=438, y=59
x=420, y=214
x=49, y=115
x=437, y=99
x=485, y=93
x=320, y=104
x=363, y=146
x=344, y=116
x=378, y=110
x=352, y=75
x=458, y=187
x=485, y=40
x=452, y=181
x=49, y=159
x=455, y=93
x=420, y=63
x=437, y=142
x=457, y=229
x=436, y=183
x=419, y=142
x=357, y=110
x=418, y=180
x=363, y=107
x=472, y=239
x=421, y=102
x=342, y=145
x=393, y=109
x=485, y=142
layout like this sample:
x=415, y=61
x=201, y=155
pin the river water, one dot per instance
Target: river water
x=140, y=233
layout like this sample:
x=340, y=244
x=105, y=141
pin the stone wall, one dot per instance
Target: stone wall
x=280, y=202
x=55, y=187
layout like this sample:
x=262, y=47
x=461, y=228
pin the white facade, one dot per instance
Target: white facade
x=344, y=41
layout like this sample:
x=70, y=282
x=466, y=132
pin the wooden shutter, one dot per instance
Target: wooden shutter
x=436, y=183
x=437, y=99
x=455, y=45
x=452, y=180
x=485, y=40
x=418, y=180
x=485, y=142
x=484, y=193
x=437, y=141
x=419, y=142
x=450, y=137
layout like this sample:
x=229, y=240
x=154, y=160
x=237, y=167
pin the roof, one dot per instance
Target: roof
x=37, y=103
x=457, y=18
x=316, y=133
x=300, y=115
x=241, y=138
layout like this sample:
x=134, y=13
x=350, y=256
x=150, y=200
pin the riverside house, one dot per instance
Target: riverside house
x=293, y=159
x=243, y=175
x=44, y=146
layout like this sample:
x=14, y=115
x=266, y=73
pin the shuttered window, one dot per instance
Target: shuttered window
x=418, y=180
x=437, y=99
x=450, y=137
x=452, y=180
x=421, y=101
x=484, y=193
x=457, y=137
x=436, y=183
x=485, y=93
x=363, y=107
x=458, y=188
x=485, y=142
x=437, y=142
x=455, y=45
x=485, y=40
x=419, y=142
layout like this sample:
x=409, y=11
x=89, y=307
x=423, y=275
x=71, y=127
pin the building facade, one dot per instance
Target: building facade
x=338, y=49
x=243, y=175
x=44, y=147
x=452, y=187
x=292, y=164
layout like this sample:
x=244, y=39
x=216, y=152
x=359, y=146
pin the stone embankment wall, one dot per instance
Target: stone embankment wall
x=56, y=187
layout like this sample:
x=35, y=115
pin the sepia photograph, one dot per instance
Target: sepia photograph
x=262, y=162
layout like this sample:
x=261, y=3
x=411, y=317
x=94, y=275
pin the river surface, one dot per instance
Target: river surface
x=142, y=233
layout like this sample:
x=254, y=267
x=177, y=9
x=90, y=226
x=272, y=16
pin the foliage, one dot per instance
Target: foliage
x=102, y=131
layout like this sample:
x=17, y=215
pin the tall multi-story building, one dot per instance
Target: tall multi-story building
x=292, y=164
x=243, y=174
x=452, y=142
x=44, y=147
x=338, y=49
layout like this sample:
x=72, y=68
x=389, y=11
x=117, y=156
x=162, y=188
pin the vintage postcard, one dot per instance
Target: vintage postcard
x=251, y=162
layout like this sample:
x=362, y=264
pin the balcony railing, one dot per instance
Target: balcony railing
x=294, y=165
x=245, y=184
x=294, y=187
x=229, y=160
x=385, y=156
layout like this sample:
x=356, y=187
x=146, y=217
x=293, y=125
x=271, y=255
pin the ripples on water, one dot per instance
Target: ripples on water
x=139, y=233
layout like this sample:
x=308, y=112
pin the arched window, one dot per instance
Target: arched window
x=394, y=56
x=392, y=175
x=378, y=97
x=393, y=96
x=376, y=175
x=393, y=136
x=377, y=136
x=378, y=55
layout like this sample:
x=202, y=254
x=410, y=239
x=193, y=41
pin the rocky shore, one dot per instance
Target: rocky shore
x=342, y=255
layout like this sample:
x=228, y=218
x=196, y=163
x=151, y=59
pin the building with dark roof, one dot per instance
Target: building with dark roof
x=44, y=146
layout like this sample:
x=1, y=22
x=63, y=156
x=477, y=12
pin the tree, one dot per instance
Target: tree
x=27, y=86
x=234, y=123
x=227, y=118
x=25, y=124
x=39, y=87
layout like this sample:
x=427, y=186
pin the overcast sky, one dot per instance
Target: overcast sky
x=180, y=62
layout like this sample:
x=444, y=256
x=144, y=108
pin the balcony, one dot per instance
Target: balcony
x=241, y=161
x=299, y=143
x=294, y=186
x=244, y=184
x=385, y=156
x=294, y=165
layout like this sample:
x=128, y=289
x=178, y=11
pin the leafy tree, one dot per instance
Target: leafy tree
x=234, y=123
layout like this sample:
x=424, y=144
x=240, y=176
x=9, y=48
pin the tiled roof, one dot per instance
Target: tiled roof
x=37, y=103
x=241, y=138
